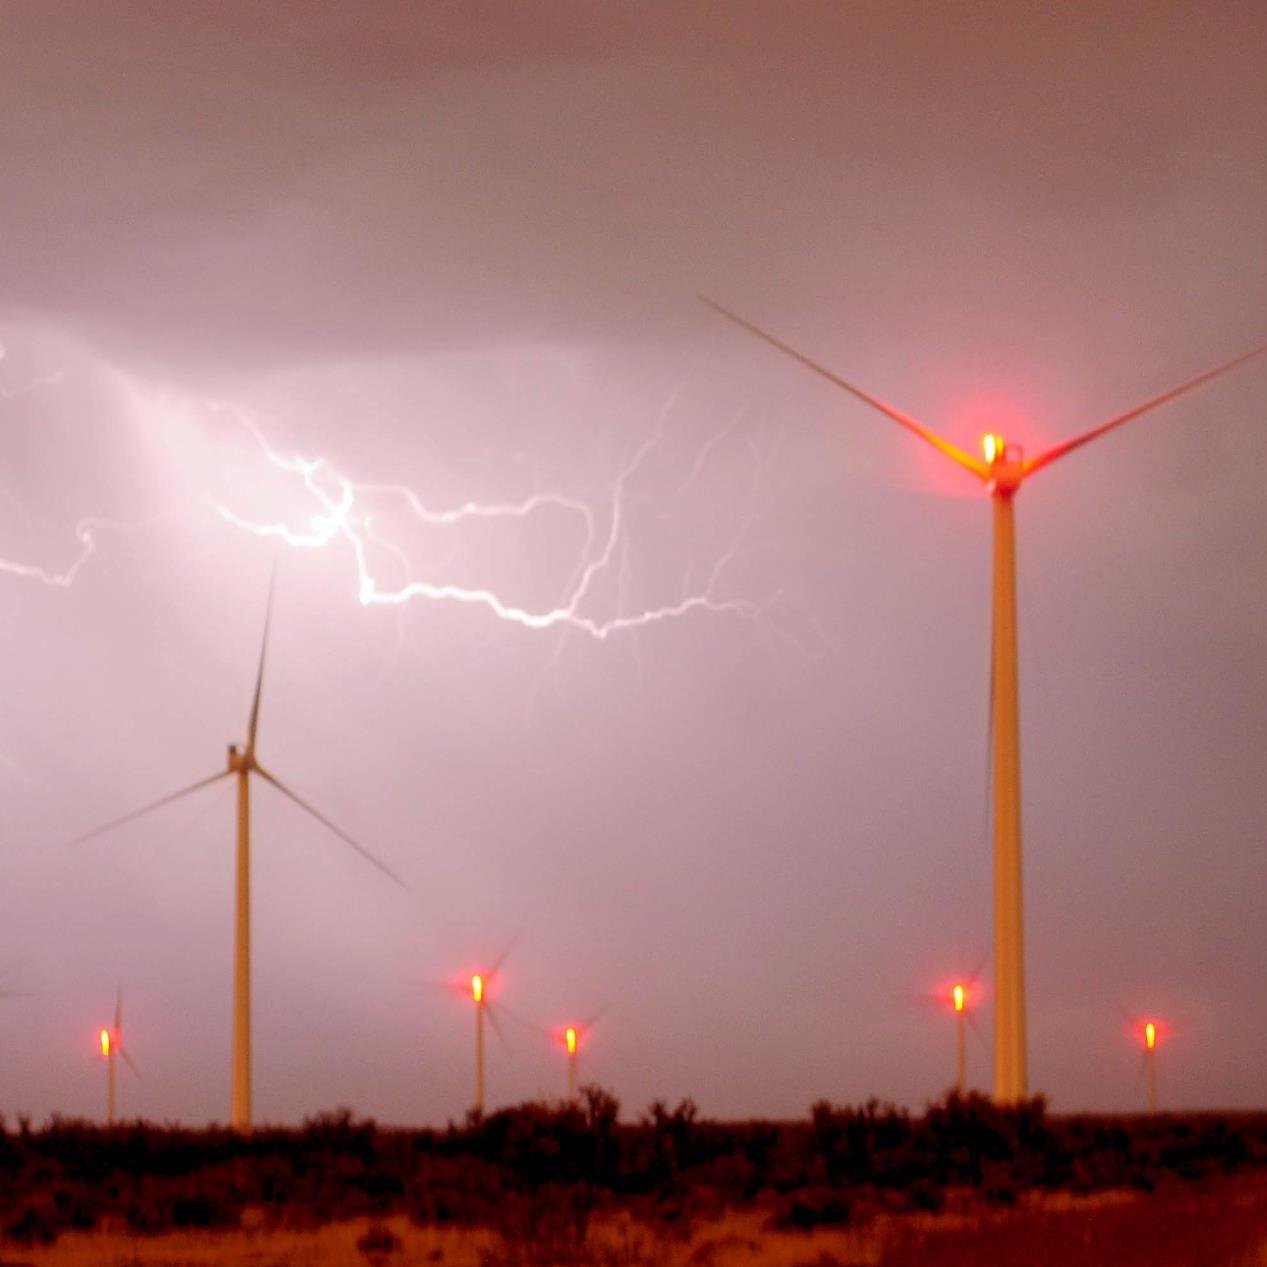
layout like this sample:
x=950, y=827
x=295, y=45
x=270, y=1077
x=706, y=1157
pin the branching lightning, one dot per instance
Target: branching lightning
x=345, y=514
x=84, y=532
x=340, y=516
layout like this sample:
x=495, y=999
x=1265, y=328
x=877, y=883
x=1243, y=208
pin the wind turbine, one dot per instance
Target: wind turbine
x=1002, y=468
x=111, y=1049
x=479, y=988
x=1150, y=1032
x=572, y=1039
x=961, y=995
x=243, y=763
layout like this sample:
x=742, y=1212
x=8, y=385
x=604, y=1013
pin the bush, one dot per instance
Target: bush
x=813, y=1207
x=378, y=1242
x=34, y=1223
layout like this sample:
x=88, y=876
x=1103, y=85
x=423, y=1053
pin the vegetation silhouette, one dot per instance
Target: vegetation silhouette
x=540, y=1172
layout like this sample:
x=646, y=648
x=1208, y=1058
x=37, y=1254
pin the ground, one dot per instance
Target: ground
x=1220, y=1223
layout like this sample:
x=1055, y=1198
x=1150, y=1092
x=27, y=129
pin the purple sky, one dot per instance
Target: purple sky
x=456, y=247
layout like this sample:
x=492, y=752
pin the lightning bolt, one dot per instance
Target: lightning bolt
x=344, y=514
x=340, y=516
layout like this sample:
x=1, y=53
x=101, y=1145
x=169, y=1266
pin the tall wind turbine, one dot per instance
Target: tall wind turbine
x=479, y=988
x=242, y=764
x=1002, y=469
x=111, y=1049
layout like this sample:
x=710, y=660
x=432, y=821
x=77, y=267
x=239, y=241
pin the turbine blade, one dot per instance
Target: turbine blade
x=253, y=724
x=497, y=1028
x=501, y=959
x=952, y=451
x=118, y=1012
x=522, y=1021
x=978, y=1033
x=127, y=1060
x=325, y=822
x=145, y=809
x=1058, y=451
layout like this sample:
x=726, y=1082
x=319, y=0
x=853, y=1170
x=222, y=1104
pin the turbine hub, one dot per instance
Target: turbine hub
x=1005, y=464
x=238, y=759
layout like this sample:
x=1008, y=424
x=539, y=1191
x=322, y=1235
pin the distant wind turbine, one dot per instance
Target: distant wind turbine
x=1002, y=471
x=112, y=1047
x=1150, y=1031
x=479, y=989
x=243, y=763
x=573, y=1038
x=962, y=995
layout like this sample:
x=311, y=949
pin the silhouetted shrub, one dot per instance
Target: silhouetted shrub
x=814, y=1207
x=545, y=1168
x=925, y=1194
x=33, y=1223
x=378, y=1243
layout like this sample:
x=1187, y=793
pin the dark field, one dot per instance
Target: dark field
x=962, y=1183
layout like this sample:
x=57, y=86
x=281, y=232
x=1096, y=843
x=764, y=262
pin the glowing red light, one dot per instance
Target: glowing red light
x=1150, y=1035
x=959, y=996
x=105, y=1042
x=477, y=988
x=569, y=1036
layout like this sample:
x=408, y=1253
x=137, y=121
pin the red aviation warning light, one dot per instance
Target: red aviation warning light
x=569, y=1037
x=1150, y=1035
x=993, y=447
x=105, y=1042
x=477, y=988
x=960, y=997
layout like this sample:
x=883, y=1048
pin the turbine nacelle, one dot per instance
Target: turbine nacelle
x=240, y=759
x=1005, y=464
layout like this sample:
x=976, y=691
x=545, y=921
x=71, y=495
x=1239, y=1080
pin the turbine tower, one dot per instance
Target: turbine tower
x=111, y=1049
x=571, y=1040
x=1150, y=1062
x=1002, y=469
x=959, y=1001
x=242, y=763
x=477, y=994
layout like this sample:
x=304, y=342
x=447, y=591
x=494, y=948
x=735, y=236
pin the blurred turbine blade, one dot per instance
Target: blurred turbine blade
x=325, y=822
x=253, y=725
x=522, y=1021
x=978, y=1032
x=1058, y=451
x=127, y=1060
x=145, y=809
x=118, y=1012
x=952, y=451
x=501, y=959
x=496, y=1024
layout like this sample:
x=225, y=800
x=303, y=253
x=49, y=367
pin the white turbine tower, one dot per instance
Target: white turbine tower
x=242, y=764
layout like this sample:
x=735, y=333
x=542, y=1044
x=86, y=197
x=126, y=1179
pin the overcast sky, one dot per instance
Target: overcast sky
x=455, y=249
